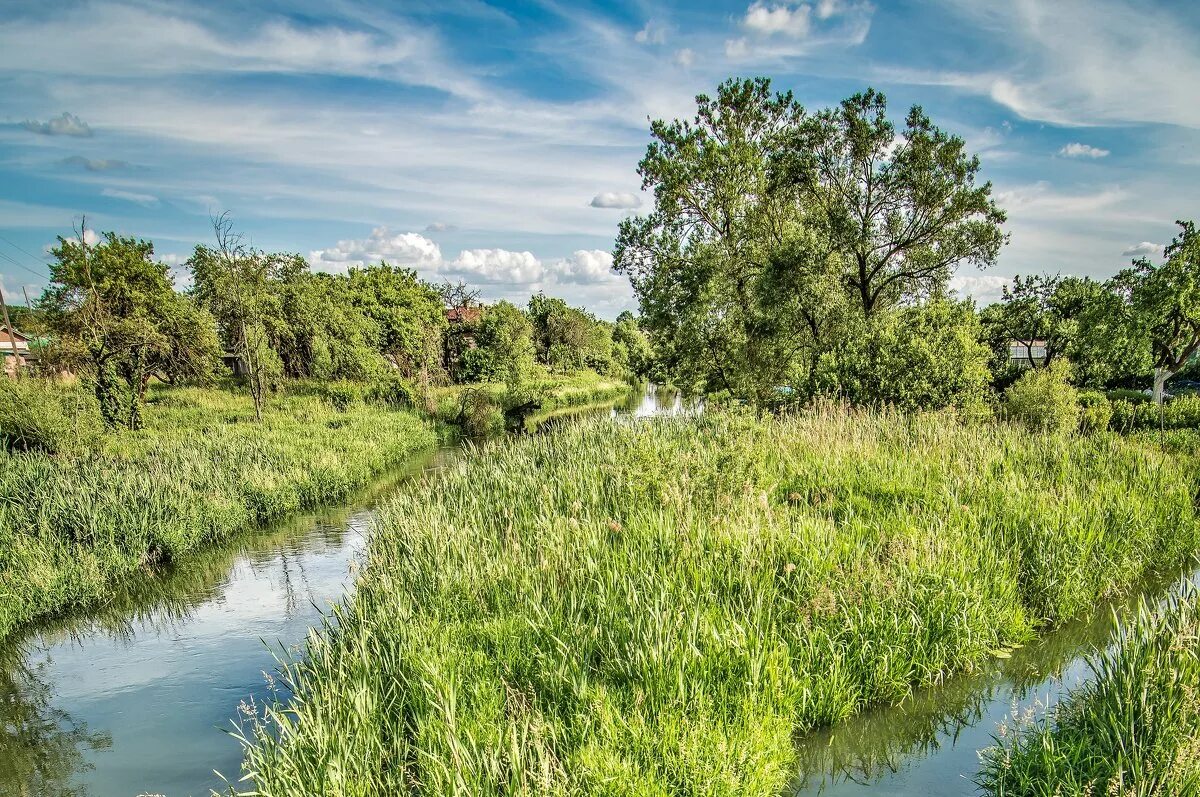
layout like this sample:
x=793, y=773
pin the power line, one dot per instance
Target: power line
x=22, y=249
x=19, y=264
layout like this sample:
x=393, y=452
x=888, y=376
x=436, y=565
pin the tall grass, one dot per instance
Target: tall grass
x=75, y=520
x=1132, y=730
x=661, y=608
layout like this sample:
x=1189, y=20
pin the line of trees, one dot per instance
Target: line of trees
x=113, y=314
x=794, y=254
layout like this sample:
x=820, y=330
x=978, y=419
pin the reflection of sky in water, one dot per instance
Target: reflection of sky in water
x=162, y=672
x=930, y=744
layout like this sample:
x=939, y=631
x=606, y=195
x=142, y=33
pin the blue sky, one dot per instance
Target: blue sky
x=497, y=142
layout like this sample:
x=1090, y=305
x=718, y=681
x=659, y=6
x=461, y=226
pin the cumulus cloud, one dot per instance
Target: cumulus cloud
x=66, y=125
x=781, y=19
x=130, y=196
x=615, y=199
x=94, y=165
x=1077, y=150
x=585, y=267
x=781, y=29
x=497, y=266
x=685, y=58
x=1144, y=249
x=409, y=249
x=983, y=288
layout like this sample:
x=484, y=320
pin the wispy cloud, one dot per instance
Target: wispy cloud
x=616, y=199
x=130, y=196
x=95, y=164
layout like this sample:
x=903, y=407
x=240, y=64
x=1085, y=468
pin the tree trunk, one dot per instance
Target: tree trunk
x=1161, y=375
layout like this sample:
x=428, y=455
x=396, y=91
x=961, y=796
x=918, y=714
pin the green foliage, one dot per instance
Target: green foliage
x=1095, y=413
x=778, y=238
x=1133, y=729
x=202, y=469
x=342, y=395
x=924, y=357
x=1044, y=400
x=39, y=415
x=504, y=347
x=115, y=315
x=663, y=608
x=392, y=390
x=1178, y=413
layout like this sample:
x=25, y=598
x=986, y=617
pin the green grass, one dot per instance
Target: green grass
x=662, y=608
x=556, y=391
x=75, y=521
x=1134, y=729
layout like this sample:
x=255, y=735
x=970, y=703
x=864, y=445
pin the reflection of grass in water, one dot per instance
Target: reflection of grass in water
x=43, y=747
x=661, y=608
x=78, y=521
x=1133, y=729
x=885, y=740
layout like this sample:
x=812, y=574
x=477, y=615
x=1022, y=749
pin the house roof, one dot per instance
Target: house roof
x=464, y=315
x=16, y=335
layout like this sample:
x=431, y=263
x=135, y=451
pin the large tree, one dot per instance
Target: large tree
x=1164, y=304
x=698, y=261
x=114, y=311
x=902, y=208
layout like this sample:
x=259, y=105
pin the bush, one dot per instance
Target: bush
x=1044, y=400
x=37, y=415
x=1180, y=413
x=1096, y=412
x=1132, y=396
x=342, y=395
x=392, y=391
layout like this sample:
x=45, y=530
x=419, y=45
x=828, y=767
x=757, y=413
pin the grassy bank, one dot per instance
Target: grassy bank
x=78, y=519
x=661, y=608
x=1134, y=729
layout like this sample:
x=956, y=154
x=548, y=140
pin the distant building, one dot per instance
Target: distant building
x=1027, y=353
x=15, y=348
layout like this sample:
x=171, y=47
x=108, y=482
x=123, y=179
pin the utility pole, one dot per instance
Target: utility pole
x=12, y=336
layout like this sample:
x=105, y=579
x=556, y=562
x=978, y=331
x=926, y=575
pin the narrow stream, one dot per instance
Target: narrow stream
x=132, y=698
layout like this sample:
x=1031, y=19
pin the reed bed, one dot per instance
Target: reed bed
x=663, y=607
x=75, y=521
x=1133, y=729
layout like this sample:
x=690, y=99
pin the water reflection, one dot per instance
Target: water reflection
x=128, y=700
x=644, y=401
x=929, y=744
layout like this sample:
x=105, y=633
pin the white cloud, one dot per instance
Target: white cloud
x=66, y=125
x=497, y=266
x=1041, y=200
x=685, y=58
x=615, y=199
x=1077, y=150
x=651, y=33
x=983, y=288
x=130, y=196
x=408, y=249
x=440, y=226
x=1144, y=249
x=778, y=19
x=586, y=266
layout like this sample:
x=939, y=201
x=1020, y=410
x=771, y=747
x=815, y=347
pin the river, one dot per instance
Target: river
x=134, y=697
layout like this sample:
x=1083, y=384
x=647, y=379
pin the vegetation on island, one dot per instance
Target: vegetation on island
x=663, y=608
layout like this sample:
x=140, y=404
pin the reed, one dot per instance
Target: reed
x=1132, y=729
x=661, y=608
x=78, y=518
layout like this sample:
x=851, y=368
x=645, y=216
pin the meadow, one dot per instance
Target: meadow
x=1132, y=730
x=84, y=508
x=664, y=607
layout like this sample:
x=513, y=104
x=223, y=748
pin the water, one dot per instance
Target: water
x=132, y=698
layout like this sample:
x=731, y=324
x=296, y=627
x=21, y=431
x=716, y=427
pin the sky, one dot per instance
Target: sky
x=498, y=142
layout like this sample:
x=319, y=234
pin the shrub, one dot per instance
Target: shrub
x=1182, y=413
x=1124, y=414
x=37, y=415
x=1096, y=412
x=392, y=391
x=342, y=395
x=1044, y=400
x=1132, y=396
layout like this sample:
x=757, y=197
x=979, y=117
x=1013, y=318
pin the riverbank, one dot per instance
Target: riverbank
x=81, y=518
x=1135, y=728
x=666, y=606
